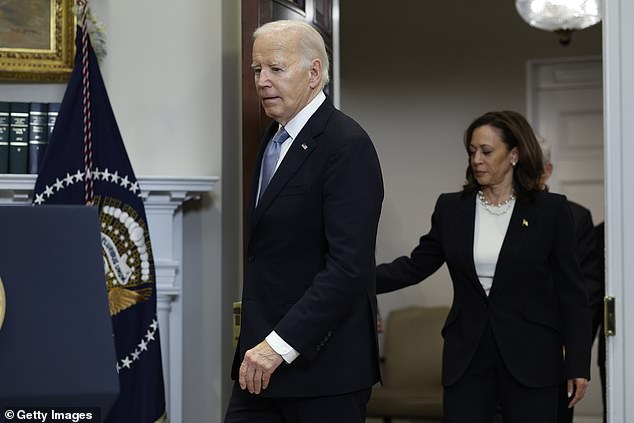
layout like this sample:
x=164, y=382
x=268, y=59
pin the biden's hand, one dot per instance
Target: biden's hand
x=257, y=367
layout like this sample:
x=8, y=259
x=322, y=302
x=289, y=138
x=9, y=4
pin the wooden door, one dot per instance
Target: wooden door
x=318, y=13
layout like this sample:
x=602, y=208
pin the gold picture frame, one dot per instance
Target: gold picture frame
x=37, y=40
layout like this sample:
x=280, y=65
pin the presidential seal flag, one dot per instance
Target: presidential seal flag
x=87, y=163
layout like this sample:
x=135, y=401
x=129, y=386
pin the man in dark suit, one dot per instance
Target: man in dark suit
x=590, y=262
x=596, y=302
x=307, y=350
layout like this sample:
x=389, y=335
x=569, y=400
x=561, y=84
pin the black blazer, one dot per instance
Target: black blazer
x=537, y=304
x=310, y=266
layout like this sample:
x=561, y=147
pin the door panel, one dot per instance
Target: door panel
x=566, y=109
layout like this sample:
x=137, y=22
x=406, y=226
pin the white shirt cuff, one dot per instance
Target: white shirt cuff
x=287, y=352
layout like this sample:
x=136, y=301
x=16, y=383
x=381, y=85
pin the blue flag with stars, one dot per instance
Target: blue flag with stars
x=127, y=252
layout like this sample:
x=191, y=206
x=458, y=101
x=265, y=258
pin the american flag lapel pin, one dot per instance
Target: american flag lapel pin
x=304, y=146
x=525, y=223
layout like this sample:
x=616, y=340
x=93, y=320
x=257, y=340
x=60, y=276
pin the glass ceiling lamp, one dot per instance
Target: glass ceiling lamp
x=560, y=16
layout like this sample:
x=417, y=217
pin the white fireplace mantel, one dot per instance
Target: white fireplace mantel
x=163, y=198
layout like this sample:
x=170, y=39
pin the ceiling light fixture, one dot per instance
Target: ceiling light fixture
x=560, y=16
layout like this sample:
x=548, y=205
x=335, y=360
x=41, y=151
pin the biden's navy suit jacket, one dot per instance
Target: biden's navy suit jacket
x=310, y=259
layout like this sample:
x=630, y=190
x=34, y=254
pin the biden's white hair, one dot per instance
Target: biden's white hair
x=311, y=43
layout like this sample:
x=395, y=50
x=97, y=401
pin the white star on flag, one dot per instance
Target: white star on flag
x=126, y=362
x=124, y=181
x=48, y=191
x=58, y=184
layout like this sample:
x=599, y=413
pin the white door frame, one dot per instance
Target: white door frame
x=618, y=74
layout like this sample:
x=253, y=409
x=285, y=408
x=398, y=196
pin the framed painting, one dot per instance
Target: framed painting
x=37, y=40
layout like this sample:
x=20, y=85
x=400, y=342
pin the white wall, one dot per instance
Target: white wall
x=163, y=72
x=415, y=74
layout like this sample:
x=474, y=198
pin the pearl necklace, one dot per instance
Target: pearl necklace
x=496, y=209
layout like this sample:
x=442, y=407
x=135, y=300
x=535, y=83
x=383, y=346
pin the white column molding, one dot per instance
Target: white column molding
x=163, y=198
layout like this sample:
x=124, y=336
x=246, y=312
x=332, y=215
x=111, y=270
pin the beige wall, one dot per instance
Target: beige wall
x=415, y=74
x=164, y=76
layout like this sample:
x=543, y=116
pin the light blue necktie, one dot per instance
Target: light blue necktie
x=271, y=155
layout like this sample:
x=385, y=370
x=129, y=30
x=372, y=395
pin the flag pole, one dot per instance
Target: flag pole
x=89, y=189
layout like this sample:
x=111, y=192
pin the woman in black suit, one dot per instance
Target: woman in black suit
x=519, y=324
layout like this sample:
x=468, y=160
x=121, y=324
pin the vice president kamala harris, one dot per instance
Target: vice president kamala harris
x=519, y=324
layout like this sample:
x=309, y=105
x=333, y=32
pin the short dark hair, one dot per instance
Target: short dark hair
x=515, y=131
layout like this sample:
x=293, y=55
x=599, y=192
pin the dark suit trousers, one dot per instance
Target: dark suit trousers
x=487, y=383
x=248, y=408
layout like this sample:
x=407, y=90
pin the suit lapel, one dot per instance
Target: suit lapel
x=302, y=147
x=523, y=215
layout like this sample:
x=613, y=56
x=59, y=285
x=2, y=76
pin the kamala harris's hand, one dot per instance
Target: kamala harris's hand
x=577, y=387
